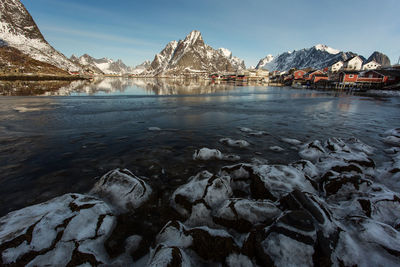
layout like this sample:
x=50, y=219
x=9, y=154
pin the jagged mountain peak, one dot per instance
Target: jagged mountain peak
x=14, y=12
x=193, y=37
x=192, y=55
x=326, y=48
x=264, y=61
x=379, y=58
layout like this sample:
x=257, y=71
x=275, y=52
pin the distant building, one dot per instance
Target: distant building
x=310, y=75
x=372, y=65
x=319, y=77
x=298, y=74
x=348, y=76
x=337, y=66
x=354, y=63
x=387, y=76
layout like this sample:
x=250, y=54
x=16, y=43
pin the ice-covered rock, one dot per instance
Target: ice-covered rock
x=211, y=190
x=154, y=129
x=243, y=214
x=279, y=180
x=276, y=148
x=367, y=243
x=239, y=260
x=209, y=154
x=312, y=151
x=67, y=230
x=169, y=256
x=251, y=131
x=234, y=143
x=288, y=242
x=123, y=189
x=208, y=243
x=292, y=141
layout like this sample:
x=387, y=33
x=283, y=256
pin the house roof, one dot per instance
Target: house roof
x=352, y=58
x=350, y=72
x=372, y=61
x=340, y=61
x=393, y=73
x=321, y=75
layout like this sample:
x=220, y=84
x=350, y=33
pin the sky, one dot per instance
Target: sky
x=135, y=31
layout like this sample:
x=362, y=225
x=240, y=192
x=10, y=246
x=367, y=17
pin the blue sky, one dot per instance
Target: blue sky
x=136, y=30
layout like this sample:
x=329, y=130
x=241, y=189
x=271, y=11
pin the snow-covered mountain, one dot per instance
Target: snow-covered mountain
x=192, y=55
x=319, y=56
x=102, y=65
x=141, y=68
x=236, y=62
x=18, y=30
x=264, y=61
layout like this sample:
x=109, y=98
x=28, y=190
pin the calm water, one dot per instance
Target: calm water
x=71, y=134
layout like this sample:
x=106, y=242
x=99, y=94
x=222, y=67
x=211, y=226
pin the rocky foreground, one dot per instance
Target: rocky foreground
x=330, y=208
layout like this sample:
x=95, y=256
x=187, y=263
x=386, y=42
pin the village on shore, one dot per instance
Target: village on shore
x=349, y=74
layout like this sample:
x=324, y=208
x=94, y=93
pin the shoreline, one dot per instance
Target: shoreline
x=41, y=78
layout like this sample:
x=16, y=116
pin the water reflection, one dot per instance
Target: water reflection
x=114, y=86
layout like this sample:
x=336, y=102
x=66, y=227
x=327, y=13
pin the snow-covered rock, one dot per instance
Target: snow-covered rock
x=204, y=188
x=234, y=143
x=292, y=141
x=251, y=131
x=276, y=148
x=67, y=230
x=210, y=154
x=123, y=189
x=242, y=214
x=333, y=210
x=168, y=256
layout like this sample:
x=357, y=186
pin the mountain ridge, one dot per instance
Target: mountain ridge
x=317, y=57
x=19, y=30
x=102, y=65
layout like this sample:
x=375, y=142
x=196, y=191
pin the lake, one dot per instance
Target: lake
x=59, y=137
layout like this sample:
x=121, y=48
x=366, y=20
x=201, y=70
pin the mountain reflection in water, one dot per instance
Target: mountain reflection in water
x=114, y=86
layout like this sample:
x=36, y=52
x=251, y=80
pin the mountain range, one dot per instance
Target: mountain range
x=316, y=57
x=102, y=65
x=23, y=48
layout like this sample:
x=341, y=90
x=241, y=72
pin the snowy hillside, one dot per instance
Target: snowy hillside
x=18, y=30
x=192, y=55
x=261, y=64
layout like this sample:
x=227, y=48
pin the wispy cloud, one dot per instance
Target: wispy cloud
x=100, y=36
x=79, y=7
